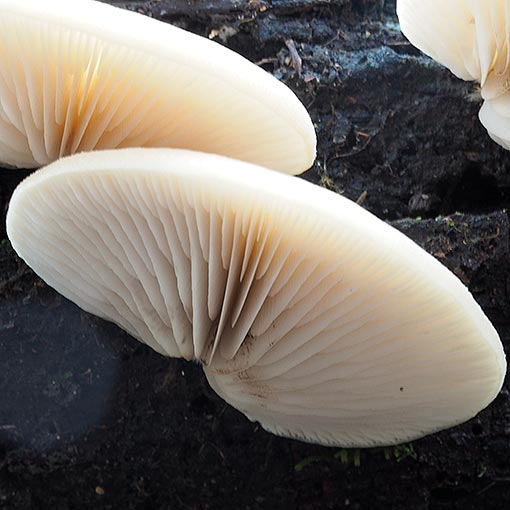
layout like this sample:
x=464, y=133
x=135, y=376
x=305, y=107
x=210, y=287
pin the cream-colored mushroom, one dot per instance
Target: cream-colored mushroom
x=83, y=75
x=309, y=314
x=471, y=38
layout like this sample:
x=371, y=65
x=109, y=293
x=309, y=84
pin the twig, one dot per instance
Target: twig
x=362, y=198
x=267, y=60
x=297, y=63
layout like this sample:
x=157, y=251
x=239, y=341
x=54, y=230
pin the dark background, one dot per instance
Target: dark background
x=90, y=418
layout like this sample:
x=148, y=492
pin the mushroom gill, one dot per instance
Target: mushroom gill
x=309, y=314
x=471, y=38
x=83, y=75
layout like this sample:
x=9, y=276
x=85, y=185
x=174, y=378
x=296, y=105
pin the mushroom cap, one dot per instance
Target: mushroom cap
x=495, y=117
x=309, y=314
x=470, y=37
x=83, y=75
x=443, y=31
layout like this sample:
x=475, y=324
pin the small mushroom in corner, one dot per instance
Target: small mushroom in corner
x=82, y=75
x=308, y=313
x=470, y=37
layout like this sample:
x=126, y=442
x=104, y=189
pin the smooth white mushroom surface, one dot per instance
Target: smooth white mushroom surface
x=495, y=116
x=471, y=38
x=81, y=75
x=309, y=314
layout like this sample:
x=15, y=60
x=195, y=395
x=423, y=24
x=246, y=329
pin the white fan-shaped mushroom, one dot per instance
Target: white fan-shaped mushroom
x=471, y=38
x=308, y=313
x=444, y=31
x=82, y=75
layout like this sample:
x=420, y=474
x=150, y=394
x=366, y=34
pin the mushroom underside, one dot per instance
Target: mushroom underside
x=308, y=314
x=82, y=75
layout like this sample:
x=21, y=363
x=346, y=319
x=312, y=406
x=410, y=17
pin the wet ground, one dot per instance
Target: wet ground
x=91, y=418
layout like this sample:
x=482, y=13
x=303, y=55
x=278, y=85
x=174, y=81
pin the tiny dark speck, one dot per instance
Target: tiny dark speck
x=401, y=388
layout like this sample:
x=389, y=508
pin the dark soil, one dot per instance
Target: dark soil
x=90, y=418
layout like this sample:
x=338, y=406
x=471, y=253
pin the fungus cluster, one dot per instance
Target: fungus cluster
x=307, y=313
x=469, y=37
